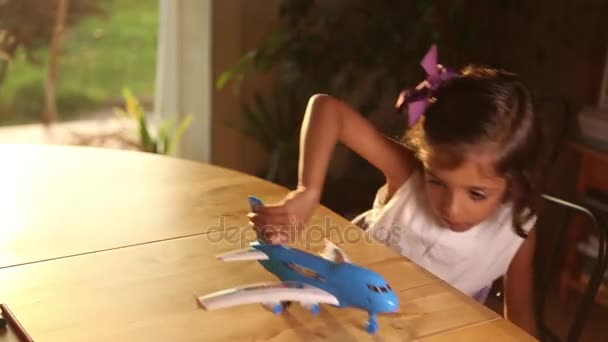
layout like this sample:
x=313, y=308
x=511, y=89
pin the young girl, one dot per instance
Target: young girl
x=460, y=190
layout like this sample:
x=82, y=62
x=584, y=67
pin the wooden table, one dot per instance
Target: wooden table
x=110, y=279
x=62, y=201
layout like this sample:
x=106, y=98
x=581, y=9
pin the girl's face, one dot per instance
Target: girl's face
x=464, y=196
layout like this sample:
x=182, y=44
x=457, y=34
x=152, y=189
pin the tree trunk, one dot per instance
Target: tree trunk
x=3, y=71
x=7, y=53
x=50, y=108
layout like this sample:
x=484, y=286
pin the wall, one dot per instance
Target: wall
x=574, y=36
x=238, y=26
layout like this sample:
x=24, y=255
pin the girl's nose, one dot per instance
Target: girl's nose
x=450, y=206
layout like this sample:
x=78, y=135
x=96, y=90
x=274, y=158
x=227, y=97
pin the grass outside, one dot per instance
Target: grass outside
x=101, y=56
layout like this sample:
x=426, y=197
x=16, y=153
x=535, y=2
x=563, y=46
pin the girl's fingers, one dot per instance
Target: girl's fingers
x=278, y=209
x=276, y=226
x=278, y=238
x=273, y=234
x=263, y=220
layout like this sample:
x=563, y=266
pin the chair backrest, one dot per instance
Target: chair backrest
x=544, y=273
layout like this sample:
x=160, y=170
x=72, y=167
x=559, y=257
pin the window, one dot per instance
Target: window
x=373, y=288
x=379, y=289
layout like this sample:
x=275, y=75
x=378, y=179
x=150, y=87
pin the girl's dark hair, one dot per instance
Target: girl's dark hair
x=490, y=110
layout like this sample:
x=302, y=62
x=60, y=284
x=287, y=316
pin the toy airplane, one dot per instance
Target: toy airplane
x=309, y=279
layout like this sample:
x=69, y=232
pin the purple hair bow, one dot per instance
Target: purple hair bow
x=419, y=98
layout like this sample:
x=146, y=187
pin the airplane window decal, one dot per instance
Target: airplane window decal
x=376, y=288
x=383, y=289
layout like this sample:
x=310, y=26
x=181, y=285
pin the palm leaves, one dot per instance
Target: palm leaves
x=275, y=126
x=167, y=135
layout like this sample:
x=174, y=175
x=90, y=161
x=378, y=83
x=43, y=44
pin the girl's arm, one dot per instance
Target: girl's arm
x=519, y=288
x=328, y=121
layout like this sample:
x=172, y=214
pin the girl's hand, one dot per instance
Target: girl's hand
x=279, y=223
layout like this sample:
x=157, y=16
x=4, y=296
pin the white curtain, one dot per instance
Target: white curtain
x=183, y=74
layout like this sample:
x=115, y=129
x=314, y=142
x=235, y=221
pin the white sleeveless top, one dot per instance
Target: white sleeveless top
x=470, y=260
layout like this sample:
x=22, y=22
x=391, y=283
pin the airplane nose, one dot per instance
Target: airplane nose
x=388, y=303
x=393, y=305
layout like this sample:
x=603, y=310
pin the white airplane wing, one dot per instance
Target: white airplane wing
x=243, y=254
x=266, y=293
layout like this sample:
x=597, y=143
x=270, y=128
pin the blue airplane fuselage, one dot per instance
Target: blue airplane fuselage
x=352, y=285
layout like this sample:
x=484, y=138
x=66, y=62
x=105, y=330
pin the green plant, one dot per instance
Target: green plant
x=275, y=127
x=328, y=47
x=162, y=138
x=336, y=47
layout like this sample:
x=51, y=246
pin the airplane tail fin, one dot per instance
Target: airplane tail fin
x=255, y=202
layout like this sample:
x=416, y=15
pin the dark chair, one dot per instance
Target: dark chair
x=558, y=112
x=548, y=263
x=544, y=276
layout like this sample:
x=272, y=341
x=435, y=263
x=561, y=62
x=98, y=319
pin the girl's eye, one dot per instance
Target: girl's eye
x=477, y=195
x=434, y=181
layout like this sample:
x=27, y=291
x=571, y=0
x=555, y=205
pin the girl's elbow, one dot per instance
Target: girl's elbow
x=321, y=101
x=323, y=104
x=319, y=97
